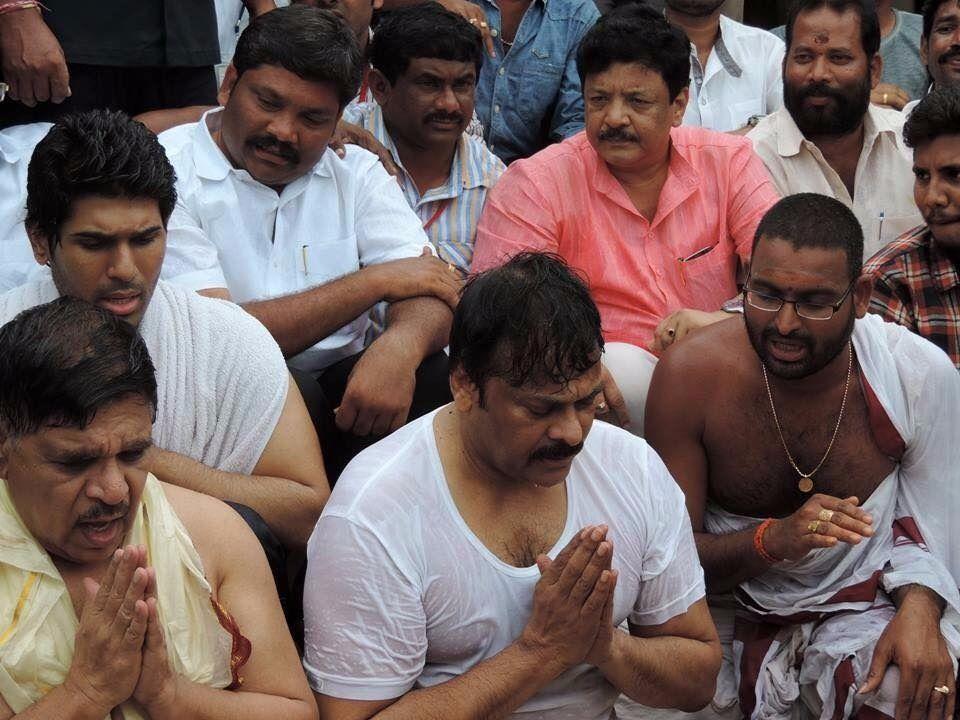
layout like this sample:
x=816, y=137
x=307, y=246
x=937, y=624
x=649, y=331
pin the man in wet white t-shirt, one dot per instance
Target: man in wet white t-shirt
x=479, y=561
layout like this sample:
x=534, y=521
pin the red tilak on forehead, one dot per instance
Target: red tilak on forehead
x=821, y=38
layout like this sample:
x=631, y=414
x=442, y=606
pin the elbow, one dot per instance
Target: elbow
x=310, y=513
x=703, y=685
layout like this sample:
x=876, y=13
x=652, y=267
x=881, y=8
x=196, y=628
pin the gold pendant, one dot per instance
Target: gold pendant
x=805, y=484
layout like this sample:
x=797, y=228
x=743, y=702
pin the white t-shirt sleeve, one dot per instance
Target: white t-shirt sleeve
x=671, y=579
x=364, y=622
x=192, y=260
x=387, y=228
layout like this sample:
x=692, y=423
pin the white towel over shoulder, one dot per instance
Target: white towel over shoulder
x=221, y=378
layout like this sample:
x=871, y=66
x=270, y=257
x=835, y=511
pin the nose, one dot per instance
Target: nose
x=787, y=319
x=123, y=265
x=447, y=100
x=566, y=427
x=820, y=69
x=283, y=128
x=109, y=486
x=934, y=195
x=616, y=113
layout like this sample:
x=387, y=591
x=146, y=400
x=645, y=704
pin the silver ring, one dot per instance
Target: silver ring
x=601, y=407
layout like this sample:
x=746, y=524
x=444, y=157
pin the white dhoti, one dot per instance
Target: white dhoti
x=632, y=369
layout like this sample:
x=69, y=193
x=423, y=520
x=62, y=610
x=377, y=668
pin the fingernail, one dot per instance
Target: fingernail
x=602, y=550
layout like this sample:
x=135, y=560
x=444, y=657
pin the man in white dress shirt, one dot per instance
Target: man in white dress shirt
x=479, y=562
x=735, y=69
x=828, y=138
x=307, y=241
x=16, y=146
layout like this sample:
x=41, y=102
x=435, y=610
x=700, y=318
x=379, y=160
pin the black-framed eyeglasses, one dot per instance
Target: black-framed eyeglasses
x=807, y=310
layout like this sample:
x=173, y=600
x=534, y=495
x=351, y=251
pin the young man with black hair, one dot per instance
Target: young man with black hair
x=659, y=217
x=425, y=63
x=479, y=562
x=816, y=448
x=123, y=596
x=916, y=279
x=308, y=241
x=829, y=138
x=230, y=420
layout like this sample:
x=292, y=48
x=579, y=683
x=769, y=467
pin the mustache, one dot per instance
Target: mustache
x=557, y=451
x=617, y=134
x=271, y=144
x=101, y=509
x=939, y=217
x=949, y=55
x=444, y=117
x=797, y=336
x=821, y=89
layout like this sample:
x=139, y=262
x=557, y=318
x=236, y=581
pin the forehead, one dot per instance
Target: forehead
x=948, y=9
x=278, y=82
x=112, y=215
x=779, y=263
x=825, y=27
x=630, y=76
x=943, y=150
x=121, y=423
x=446, y=69
x=579, y=387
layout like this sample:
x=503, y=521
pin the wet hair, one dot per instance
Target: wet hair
x=866, y=9
x=937, y=114
x=531, y=320
x=809, y=220
x=636, y=33
x=102, y=153
x=315, y=45
x=426, y=30
x=62, y=362
x=929, y=12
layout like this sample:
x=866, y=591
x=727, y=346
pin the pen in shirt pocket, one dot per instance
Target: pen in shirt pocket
x=693, y=256
x=303, y=256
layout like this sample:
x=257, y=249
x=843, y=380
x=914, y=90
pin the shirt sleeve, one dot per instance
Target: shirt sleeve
x=886, y=302
x=671, y=579
x=774, y=80
x=567, y=117
x=192, y=260
x=387, y=228
x=516, y=217
x=751, y=194
x=365, y=628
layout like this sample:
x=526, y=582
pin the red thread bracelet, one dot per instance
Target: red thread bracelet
x=758, y=542
x=14, y=5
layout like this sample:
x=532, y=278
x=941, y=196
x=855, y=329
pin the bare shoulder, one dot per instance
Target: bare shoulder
x=705, y=357
x=217, y=530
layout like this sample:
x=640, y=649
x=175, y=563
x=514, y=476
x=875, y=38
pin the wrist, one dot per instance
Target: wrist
x=81, y=701
x=919, y=601
x=765, y=544
x=19, y=9
x=539, y=655
x=164, y=705
x=615, y=652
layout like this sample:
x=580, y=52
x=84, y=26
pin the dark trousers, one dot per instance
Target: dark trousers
x=323, y=392
x=134, y=90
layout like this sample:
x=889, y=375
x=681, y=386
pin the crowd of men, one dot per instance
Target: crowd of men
x=477, y=359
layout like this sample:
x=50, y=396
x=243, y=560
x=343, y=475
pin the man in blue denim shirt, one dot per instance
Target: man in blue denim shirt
x=528, y=94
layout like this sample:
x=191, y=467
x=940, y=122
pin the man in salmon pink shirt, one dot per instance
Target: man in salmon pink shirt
x=659, y=218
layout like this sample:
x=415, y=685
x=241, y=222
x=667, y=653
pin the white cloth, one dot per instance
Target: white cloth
x=632, y=370
x=221, y=379
x=400, y=593
x=230, y=231
x=883, y=181
x=16, y=148
x=743, y=78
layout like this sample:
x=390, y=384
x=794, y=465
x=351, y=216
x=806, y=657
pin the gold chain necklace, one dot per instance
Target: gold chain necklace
x=806, y=479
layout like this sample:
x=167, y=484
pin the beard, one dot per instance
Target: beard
x=841, y=117
x=695, y=8
x=820, y=353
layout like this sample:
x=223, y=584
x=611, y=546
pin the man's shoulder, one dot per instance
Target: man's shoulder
x=705, y=357
x=753, y=38
x=580, y=11
x=180, y=137
x=18, y=141
x=911, y=23
x=573, y=155
x=917, y=360
x=23, y=297
x=697, y=141
x=893, y=258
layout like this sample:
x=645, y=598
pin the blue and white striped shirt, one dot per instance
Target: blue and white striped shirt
x=460, y=201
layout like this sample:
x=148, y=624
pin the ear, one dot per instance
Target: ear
x=679, y=106
x=379, y=86
x=862, y=291
x=230, y=78
x=377, y=5
x=465, y=393
x=40, y=244
x=876, y=70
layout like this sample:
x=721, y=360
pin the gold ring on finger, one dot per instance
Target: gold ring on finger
x=942, y=689
x=825, y=515
x=601, y=407
x=483, y=24
x=451, y=267
x=473, y=21
x=814, y=526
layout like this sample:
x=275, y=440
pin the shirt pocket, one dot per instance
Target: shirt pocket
x=539, y=84
x=708, y=280
x=327, y=259
x=740, y=112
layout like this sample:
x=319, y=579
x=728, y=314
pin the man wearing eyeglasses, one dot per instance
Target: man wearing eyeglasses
x=814, y=445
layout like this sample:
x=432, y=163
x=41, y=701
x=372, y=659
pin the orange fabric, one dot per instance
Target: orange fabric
x=241, y=645
x=565, y=200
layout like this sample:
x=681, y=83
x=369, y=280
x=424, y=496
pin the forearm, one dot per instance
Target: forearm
x=493, y=689
x=300, y=321
x=664, y=672
x=288, y=507
x=919, y=597
x=62, y=703
x=729, y=560
x=200, y=702
x=421, y=325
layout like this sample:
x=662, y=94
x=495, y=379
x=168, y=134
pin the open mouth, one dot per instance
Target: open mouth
x=101, y=533
x=786, y=351
x=121, y=304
